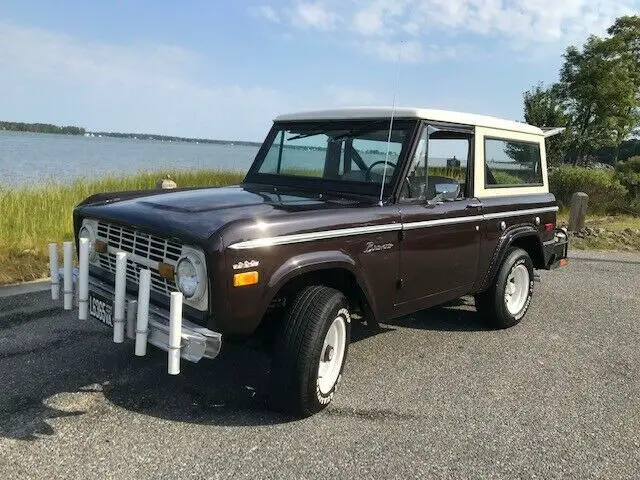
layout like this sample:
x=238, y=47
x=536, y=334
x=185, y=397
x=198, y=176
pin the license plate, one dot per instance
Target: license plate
x=101, y=308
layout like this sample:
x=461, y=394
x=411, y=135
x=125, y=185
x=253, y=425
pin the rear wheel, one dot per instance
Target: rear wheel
x=311, y=350
x=505, y=303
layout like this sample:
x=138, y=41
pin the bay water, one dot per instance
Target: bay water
x=29, y=159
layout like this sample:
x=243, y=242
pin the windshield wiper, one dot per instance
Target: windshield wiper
x=323, y=128
x=358, y=131
x=349, y=133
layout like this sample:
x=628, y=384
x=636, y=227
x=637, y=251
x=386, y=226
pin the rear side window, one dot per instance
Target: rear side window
x=510, y=163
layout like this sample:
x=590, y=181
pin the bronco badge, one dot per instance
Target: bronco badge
x=372, y=247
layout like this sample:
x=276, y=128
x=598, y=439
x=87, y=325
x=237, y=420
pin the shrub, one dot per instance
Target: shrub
x=606, y=193
x=505, y=178
x=628, y=172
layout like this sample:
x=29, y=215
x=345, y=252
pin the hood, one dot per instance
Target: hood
x=197, y=214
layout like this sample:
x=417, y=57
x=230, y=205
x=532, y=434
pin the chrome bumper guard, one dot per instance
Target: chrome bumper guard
x=196, y=342
x=137, y=317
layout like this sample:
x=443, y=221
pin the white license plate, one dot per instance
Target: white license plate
x=101, y=308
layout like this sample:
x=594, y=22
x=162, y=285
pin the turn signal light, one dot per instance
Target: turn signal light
x=245, y=279
x=563, y=262
x=166, y=271
x=100, y=246
x=549, y=227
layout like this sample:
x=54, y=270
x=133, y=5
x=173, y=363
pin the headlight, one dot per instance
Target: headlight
x=87, y=231
x=190, y=277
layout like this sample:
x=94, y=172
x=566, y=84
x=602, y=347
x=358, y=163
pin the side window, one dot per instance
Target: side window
x=439, y=167
x=511, y=163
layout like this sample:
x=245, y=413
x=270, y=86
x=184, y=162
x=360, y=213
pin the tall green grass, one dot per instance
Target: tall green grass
x=32, y=217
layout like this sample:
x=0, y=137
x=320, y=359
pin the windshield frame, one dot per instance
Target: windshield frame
x=322, y=185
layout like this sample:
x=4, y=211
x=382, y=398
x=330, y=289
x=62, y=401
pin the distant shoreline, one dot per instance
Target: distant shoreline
x=79, y=131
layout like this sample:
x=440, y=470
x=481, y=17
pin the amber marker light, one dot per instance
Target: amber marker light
x=245, y=279
x=166, y=271
x=563, y=262
x=100, y=246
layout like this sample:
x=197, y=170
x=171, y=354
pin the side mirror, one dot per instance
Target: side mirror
x=447, y=191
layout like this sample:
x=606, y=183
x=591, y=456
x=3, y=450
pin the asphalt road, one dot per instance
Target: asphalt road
x=434, y=395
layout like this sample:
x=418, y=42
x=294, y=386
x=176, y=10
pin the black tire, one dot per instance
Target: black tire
x=297, y=350
x=492, y=305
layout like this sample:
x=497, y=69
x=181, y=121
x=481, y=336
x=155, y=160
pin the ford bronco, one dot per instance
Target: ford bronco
x=361, y=214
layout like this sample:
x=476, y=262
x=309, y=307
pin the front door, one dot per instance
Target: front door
x=442, y=223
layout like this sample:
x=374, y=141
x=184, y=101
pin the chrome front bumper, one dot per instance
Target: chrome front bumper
x=196, y=342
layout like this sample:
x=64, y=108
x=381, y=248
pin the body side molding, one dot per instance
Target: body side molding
x=388, y=227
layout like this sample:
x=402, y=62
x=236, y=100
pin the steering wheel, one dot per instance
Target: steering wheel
x=368, y=171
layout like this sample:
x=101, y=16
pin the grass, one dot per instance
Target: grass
x=616, y=232
x=32, y=217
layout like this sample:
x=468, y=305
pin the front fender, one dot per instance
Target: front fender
x=314, y=262
x=245, y=307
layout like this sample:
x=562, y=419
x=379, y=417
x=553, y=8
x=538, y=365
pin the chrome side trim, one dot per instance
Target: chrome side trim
x=518, y=213
x=389, y=227
x=442, y=221
x=308, y=237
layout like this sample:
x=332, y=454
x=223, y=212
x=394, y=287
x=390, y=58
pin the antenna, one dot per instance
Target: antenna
x=393, y=112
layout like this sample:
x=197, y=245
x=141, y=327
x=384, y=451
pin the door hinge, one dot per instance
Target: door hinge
x=400, y=283
x=400, y=235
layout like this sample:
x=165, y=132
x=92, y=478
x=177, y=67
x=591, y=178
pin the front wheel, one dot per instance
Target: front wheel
x=311, y=351
x=505, y=303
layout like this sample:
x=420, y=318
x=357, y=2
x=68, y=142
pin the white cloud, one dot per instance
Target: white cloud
x=516, y=24
x=43, y=52
x=59, y=78
x=529, y=21
x=315, y=15
x=368, y=22
x=378, y=17
x=409, y=52
x=265, y=11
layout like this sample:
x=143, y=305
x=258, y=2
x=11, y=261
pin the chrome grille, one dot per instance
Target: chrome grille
x=143, y=245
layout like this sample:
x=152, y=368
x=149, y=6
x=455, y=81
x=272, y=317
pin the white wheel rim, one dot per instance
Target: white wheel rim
x=517, y=289
x=331, y=355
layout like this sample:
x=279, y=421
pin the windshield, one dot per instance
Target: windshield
x=344, y=154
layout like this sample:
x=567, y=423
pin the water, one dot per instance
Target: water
x=34, y=158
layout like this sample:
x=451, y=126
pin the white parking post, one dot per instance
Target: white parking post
x=53, y=268
x=68, y=275
x=83, y=286
x=142, y=323
x=118, y=301
x=132, y=312
x=175, y=332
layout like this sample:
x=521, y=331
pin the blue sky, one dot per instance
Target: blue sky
x=224, y=69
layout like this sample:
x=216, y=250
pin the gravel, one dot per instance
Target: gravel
x=431, y=395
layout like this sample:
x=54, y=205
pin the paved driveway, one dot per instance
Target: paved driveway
x=432, y=395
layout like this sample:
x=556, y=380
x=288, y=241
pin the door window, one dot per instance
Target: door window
x=439, y=169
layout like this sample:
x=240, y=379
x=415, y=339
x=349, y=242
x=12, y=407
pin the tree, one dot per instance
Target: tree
x=599, y=85
x=627, y=30
x=598, y=95
x=543, y=107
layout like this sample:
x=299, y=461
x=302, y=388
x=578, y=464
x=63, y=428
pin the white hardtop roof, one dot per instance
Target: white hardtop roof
x=407, y=112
